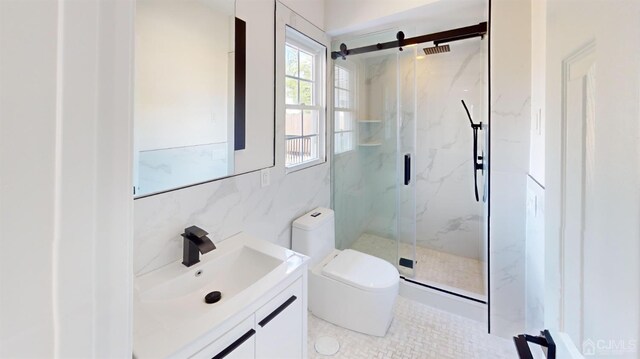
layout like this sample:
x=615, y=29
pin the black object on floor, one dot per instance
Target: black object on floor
x=544, y=339
x=406, y=262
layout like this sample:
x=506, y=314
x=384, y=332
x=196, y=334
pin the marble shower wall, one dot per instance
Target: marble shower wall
x=510, y=128
x=448, y=218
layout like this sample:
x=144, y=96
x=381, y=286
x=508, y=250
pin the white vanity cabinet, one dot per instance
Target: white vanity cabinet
x=281, y=329
x=238, y=343
x=262, y=311
x=277, y=330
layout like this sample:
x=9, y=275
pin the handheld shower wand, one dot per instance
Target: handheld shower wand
x=478, y=163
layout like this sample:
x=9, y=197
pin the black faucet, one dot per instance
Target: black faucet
x=195, y=242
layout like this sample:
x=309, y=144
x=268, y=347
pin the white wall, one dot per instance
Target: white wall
x=311, y=10
x=239, y=203
x=66, y=147
x=510, y=37
x=605, y=288
x=343, y=16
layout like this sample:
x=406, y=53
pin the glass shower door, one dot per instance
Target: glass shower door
x=405, y=190
x=406, y=84
x=371, y=201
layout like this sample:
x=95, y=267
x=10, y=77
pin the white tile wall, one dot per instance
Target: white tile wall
x=448, y=217
x=510, y=115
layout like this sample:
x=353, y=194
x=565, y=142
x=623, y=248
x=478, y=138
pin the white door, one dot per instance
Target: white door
x=593, y=174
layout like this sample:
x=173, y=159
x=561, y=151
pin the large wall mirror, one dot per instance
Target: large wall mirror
x=190, y=81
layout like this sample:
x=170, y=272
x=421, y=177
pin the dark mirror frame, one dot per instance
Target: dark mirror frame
x=239, y=126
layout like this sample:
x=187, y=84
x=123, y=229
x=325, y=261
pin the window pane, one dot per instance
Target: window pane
x=342, y=99
x=310, y=124
x=343, y=142
x=293, y=123
x=294, y=151
x=310, y=148
x=292, y=91
x=306, y=93
x=344, y=121
x=306, y=66
x=337, y=148
x=341, y=77
x=291, y=61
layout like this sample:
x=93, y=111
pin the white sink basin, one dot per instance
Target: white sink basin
x=169, y=311
x=229, y=273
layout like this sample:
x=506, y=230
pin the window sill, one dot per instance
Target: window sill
x=304, y=165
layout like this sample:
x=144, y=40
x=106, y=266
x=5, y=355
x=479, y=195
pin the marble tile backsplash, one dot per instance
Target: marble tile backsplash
x=224, y=208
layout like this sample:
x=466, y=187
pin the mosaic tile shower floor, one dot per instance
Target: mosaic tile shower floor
x=432, y=266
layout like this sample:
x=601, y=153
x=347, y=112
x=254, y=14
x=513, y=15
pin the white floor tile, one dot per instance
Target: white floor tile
x=417, y=331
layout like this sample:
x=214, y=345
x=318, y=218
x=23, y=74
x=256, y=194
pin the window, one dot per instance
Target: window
x=344, y=129
x=304, y=106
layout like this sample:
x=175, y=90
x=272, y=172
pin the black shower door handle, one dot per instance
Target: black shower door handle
x=407, y=169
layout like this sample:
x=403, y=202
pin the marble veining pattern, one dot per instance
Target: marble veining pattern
x=448, y=218
x=224, y=208
x=417, y=331
x=510, y=133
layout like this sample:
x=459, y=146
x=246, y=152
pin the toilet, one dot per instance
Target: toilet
x=348, y=288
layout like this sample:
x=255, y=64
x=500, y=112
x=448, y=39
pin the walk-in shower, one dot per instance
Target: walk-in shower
x=403, y=175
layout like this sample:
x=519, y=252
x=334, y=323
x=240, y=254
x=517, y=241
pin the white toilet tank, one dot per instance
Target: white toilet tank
x=314, y=234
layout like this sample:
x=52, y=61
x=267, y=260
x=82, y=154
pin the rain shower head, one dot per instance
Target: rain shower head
x=438, y=49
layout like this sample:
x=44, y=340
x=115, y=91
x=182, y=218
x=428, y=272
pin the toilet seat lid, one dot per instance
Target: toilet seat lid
x=361, y=270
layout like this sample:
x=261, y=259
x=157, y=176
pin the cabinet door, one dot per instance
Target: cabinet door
x=237, y=343
x=280, y=325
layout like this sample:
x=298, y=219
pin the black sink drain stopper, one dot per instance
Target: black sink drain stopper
x=212, y=297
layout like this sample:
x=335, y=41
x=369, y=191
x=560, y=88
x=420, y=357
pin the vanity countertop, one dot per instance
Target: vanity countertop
x=170, y=315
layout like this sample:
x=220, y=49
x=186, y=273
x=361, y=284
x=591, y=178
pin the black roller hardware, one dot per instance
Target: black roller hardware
x=461, y=33
x=277, y=311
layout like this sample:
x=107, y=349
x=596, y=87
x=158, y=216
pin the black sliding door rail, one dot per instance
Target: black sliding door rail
x=438, y=38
